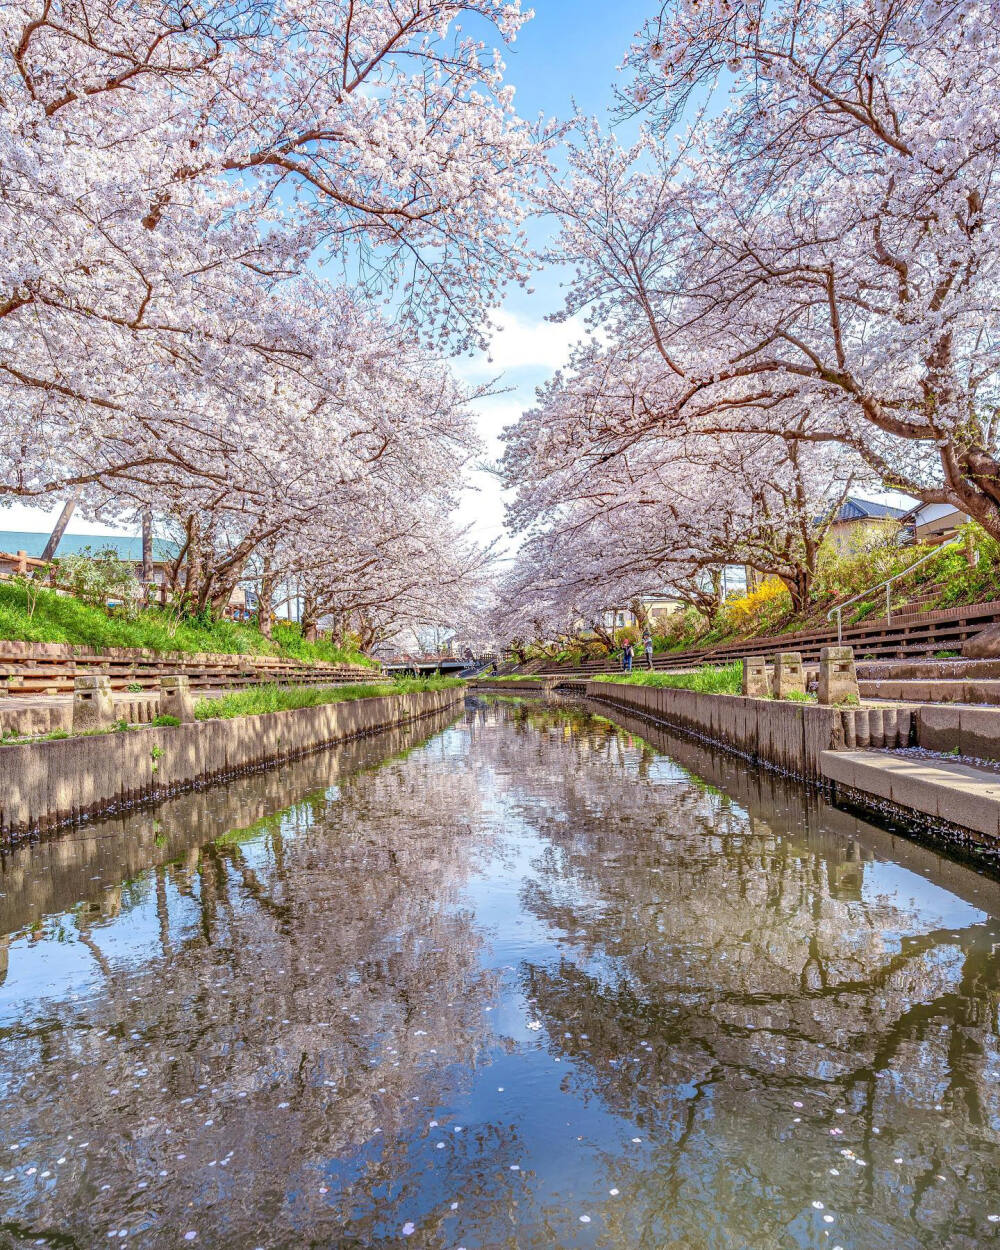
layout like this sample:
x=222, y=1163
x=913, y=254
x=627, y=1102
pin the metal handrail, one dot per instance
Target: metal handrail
x=887, y=584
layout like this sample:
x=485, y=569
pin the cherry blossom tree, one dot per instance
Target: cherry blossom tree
x=815, y=255
x=170, y=175
x=622, y=517
x=392, y=570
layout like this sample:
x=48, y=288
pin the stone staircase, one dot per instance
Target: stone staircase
x=932, y=681
x=912, y=634
x=37, y=680
x=49, y=668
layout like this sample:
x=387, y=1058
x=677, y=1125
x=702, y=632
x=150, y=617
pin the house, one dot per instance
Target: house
x=932, y=523
x=857, y=518
x=656, y=607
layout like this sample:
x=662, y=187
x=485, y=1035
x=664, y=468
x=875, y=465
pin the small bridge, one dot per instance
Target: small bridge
x=429, y=665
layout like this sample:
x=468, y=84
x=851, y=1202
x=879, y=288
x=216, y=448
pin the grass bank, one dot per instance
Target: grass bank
x=259, y=699
x=61, y=618
x=709, y=679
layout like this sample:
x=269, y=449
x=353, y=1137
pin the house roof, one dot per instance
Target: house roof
x=947, y=510
x=126, y=548
x=854, y=509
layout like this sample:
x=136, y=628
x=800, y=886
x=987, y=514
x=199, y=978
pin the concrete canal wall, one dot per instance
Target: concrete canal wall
x=47, y=784
x=522, y=685
x=786, y=735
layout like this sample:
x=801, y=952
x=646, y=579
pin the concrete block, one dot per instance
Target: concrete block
x=176, y=698
x=838, y=678
x=983, y=691
x=984, y=645
x=93, y=706
x=938, y=727
x=755, y=678
x=876, y=727
x=979, y=732
x=789, y=676
x=952, y=792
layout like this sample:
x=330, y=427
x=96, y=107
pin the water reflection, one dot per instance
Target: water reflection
x=530, y=980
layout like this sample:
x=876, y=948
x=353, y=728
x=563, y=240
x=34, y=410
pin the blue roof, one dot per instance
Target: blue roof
x=126, y=548
x=854, y=509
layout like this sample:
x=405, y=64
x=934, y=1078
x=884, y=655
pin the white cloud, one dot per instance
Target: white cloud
x=522, y=354
x=33, y=519
x=523, y=343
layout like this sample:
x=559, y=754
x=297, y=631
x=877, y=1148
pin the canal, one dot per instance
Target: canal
x=521, y=978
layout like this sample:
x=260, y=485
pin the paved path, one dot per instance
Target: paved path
x=940, y=789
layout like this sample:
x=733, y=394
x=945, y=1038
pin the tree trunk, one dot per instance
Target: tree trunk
x=798, y=584
x=308, y=620
x=641, y=613
x=265, y=598
x=192, y=577
x=607, y=640
x=147, y=548
x=68, y=508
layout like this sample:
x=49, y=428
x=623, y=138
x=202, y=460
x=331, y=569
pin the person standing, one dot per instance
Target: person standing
x=647, y=643
x=627, y=657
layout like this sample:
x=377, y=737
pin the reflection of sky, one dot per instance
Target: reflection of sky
x=60, y=964
x=929, y=906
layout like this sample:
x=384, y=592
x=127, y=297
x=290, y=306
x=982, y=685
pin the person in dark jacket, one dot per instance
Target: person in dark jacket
x=627, y=657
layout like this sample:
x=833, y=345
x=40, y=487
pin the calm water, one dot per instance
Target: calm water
x=526, y=979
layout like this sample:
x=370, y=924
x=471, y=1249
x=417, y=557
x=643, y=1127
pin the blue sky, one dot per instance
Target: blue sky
x=567, y=55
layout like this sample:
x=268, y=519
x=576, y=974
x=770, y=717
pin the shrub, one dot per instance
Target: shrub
x=970, y=572
x=99, y=578
x=757, y=611
x=867, y=555
x=680, y=630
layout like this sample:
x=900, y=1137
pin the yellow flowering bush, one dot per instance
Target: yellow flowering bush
x=757, y=610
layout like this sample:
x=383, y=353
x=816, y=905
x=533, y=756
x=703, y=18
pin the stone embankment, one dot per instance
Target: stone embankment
x=74, y=870
x=50, y=668
x=887, y=756
x=47, y=784
x=789, y=736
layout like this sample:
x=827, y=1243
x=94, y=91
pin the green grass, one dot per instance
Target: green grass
x=259, y=699
x=709, y=679
x=60, y=618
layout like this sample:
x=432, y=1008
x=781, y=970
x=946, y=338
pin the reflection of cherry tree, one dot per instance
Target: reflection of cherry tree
x=306, y=993
x=732, y=957
x=81, y=869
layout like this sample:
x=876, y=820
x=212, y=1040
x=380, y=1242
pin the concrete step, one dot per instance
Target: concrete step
x=45, y=714
x=961, y=728
x=956, y=794
x=923, y=670
x=934, y=690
